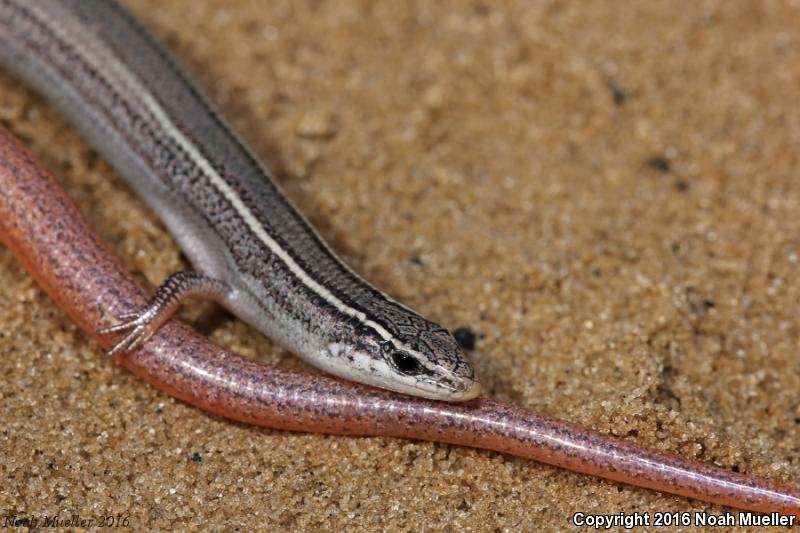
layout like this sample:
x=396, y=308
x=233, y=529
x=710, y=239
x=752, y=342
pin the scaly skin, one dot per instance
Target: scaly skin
x=42, y=227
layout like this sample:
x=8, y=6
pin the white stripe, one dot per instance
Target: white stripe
x=252, y=222
x=218, y=181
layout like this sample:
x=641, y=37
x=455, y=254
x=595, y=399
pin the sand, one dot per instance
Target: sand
x=608, y=197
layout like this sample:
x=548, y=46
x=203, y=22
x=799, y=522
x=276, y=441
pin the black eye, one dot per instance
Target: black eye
x=404, y=362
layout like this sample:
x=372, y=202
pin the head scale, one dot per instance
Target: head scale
x=406, y=353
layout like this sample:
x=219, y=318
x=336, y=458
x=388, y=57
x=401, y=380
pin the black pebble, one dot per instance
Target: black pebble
x=618, y=94
x=196, y=457
x=661, y=164
x=465, y=337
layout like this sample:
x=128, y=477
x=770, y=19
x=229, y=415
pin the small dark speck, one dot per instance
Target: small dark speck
x=196, y=457
x=797, y=420
x=51, y=465
x=618, y=94
x=697, y=304
x=735, y=468
x=39, y=453
x=416, y=260
x=633, y=433
x=481, y=9
x=682, y=185
x=659, y=163
x=701, y=307
x=465, y=337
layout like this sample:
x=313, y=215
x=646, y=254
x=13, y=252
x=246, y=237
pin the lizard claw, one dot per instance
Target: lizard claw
x=140, y=326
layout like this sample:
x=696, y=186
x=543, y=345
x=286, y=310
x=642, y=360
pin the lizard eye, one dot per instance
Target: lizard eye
x=404, y=362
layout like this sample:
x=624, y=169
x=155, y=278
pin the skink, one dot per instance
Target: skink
x=253, y=252
x=43, y=228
